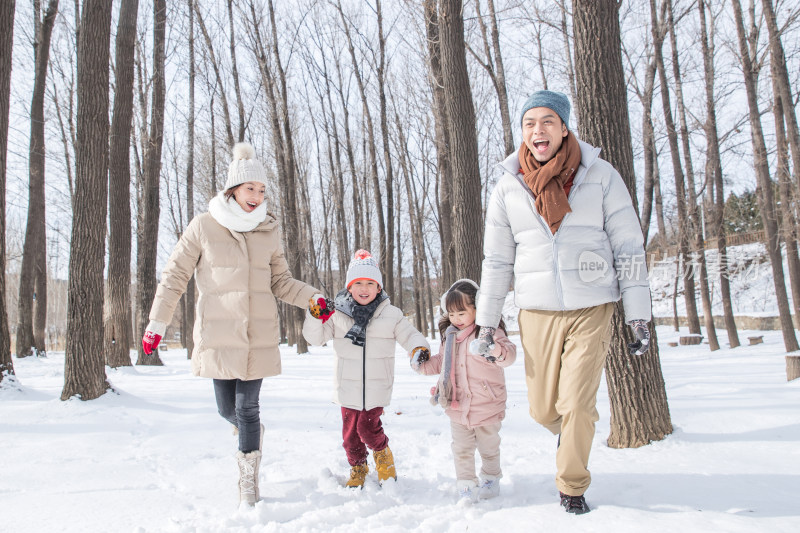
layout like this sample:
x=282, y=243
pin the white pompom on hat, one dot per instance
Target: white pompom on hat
x=245, y=167
x=364, y=266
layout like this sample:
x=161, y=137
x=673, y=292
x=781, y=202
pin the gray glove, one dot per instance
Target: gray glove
x=483, y=343
x=642, y=335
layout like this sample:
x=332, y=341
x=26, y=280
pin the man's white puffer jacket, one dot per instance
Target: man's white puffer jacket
x=596, y=256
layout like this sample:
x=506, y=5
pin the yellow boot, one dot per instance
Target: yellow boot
x=384, y=464
x=358, y=474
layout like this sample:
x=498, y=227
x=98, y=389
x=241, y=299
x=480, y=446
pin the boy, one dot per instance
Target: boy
x=364, y=330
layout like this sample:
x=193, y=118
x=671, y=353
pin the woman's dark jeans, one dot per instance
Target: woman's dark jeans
x=237, y=402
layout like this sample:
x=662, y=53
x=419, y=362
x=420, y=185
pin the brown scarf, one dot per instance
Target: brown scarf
x=547, y=180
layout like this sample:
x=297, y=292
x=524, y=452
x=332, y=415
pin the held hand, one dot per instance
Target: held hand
x=321, y=307
x=150, y=342
x=419, y=355
x=484, y=343
x=642, y=336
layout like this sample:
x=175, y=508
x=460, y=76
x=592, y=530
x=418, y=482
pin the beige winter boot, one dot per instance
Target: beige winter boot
x=248, y=476
x=358, y=474
x=384, y=464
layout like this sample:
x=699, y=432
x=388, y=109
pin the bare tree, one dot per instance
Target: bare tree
x=235, y=73
x=714, y=169
x=6, y=45
x=467, y=211
x=117, y=322
x=32, y=302
x=695, y=223
x=766, y=201
x=369, y=140
x=387, y=249
x=493, y=64
x=639, y=410
x=645, y=95
x=680, y=186
x=147, y=235
x=442, y=140
x=283, y=145
x=218, y=75
x=84, y=368
x=782, y=84
x=188, y=298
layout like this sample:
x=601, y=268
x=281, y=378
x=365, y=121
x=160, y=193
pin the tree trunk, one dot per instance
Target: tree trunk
x=714, y=168
x=792, y=367
x=333, y=149
x=781, y=76
x=6, y=45
x=235, y=73
x=467, y=211
x=32, y=300
x=567, y=52
x=388, y=251
x=442, y=140
x=639, y=410
x=351, y=161
x=151, y=209
x=84, y=370
x=788, y=224
x=117, y=324
x=292, y=227
x=680, y=187
x=215, y=64
x=766, y=202
x=695, y=223
x=189, y=296
x=370, y=144
x=494, y=67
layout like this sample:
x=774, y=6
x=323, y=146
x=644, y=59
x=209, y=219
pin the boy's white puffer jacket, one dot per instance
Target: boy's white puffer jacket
x=364, y=375
x=596, y=256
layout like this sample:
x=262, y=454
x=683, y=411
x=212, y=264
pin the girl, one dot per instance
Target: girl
x=472, y=390
x=236, y=255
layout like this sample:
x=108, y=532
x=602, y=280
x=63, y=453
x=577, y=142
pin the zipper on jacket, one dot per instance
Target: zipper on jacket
x=364, y=376
x=559, y=291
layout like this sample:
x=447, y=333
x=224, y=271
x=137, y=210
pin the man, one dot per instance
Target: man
x=561, y=221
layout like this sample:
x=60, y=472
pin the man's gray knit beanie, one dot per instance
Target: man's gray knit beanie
x=556, y=101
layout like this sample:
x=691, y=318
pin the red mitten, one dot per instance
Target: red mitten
x=150, y=342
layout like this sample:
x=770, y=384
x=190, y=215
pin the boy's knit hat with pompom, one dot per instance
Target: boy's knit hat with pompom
x=364, y=266
x=244, y=167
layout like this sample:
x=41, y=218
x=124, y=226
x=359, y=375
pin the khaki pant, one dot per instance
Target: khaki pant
x=487, y=441
x=565, y=352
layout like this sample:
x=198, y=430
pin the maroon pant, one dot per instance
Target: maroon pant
x=362, y=429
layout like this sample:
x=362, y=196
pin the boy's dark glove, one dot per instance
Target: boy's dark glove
x=484, y=343
x=321, y=307
x=419, y=355
x=642, y=335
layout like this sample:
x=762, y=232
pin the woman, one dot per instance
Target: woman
x=235, y=252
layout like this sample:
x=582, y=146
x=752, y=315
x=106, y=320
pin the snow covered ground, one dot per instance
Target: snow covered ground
x=155, y=456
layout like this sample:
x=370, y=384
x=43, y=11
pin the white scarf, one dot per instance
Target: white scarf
x=231, y=215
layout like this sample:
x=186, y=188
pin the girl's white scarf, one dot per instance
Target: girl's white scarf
x=231, y=215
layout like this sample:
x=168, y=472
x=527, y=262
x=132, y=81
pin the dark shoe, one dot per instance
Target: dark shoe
x=574, y=504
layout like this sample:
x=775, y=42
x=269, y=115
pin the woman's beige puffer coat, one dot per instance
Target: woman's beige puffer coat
x=364, y=375
x=238, y=276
